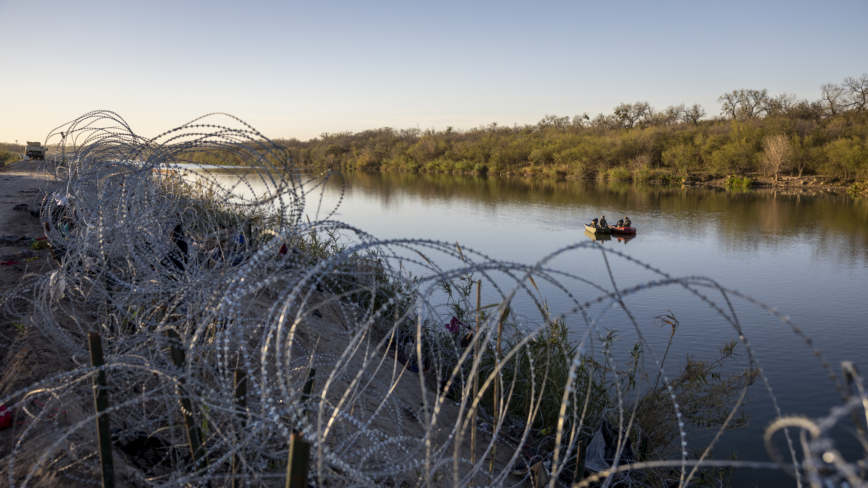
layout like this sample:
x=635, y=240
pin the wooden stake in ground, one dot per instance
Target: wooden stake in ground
x=194, y=436
x=580, y=463
x=298, y=464
x=496, y=387
x=241, y=408
x=101, y=402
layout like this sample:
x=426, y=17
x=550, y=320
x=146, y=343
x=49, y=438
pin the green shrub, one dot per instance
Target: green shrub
x=736, y=182
x=670, y=179
x=464, y=166
x=7, y=157
x=849, y=156
x=366, y=162
x=438, y=165
x=857, y=188
x=642, y=174
x=682, y=157
x=835, y=145
x=558, y=172
x=541, y=156
x=577, y=170
x=496, y=168
x=620, y=174
x=741, y=153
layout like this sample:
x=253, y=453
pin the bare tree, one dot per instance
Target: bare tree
x=554, y=121
x=630, y=114
x=806, y=110
x=776, y=154
x=744, y=103
x=604, y=121
x=833, y=97
x=692, y=114
x=729, y=104
x=857, y=92
x=671, y=115
x=624, y=113
x=409, y=133
x=581, y=120
x=643, y=160
x=782, y=104
x=651, y=115
x=753, y=103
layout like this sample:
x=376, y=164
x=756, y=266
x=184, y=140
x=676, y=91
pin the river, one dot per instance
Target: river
x=804, y=255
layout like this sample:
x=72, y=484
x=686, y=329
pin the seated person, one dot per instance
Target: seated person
x=620, y=223
x=603, y=223
x=627, y=222
x=594, y=223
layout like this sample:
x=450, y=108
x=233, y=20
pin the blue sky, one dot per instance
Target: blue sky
x=297, y=69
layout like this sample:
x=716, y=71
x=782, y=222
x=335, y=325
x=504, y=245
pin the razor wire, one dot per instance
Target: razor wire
x=148, y=237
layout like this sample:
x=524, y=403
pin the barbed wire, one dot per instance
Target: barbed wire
x=150, y=240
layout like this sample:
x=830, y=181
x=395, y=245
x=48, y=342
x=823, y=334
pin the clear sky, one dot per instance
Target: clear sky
x=297, y=69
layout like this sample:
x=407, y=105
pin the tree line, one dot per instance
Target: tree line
x=753, y=131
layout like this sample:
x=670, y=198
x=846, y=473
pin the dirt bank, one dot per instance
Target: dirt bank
x=813, y=184
x=24, y=182
x=29, y=357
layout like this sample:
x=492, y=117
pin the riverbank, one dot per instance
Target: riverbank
x=811, y=185
x=22, y=183
x=796, y=185
x=332, y=319
x=48, y=306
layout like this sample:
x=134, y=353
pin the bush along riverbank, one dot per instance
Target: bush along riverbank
x=754, y=132
x=189, y=335
x=776, y=140
x=543, y=387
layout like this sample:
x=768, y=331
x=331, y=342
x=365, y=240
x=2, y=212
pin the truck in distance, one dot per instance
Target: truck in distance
x=34, y=150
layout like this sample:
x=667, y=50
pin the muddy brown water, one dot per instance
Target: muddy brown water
x=804, y=255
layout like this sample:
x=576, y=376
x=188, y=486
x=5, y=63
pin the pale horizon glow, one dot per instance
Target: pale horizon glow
x=293, y=69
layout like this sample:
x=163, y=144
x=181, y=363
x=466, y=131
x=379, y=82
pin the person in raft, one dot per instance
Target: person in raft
x=627, y=222
x=594, y=223
x=620, y=223
x=603, y=223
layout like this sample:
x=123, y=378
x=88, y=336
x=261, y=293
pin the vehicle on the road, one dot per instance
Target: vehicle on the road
x=34, y=150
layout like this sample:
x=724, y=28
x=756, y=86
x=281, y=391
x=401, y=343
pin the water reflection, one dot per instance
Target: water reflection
x=624, y=239
x=837, y=224
x=807, y=255
x=598, y=237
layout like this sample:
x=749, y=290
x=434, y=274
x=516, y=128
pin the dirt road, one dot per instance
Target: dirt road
x=24, y=182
